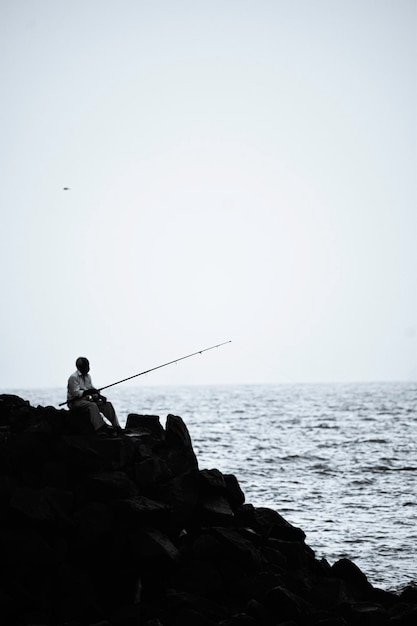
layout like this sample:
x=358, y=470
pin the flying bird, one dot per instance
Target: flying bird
x=66, y=189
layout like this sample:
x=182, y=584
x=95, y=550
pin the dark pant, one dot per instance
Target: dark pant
x=97, y=410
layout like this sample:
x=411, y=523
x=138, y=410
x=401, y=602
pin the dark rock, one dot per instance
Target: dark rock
x=45, y=504
x=198, y=576
x=10, y=405
x=269, y=523
x=386, y=598
x=234, y=493
x=109, y=486
x=241, y=619
x=144, y=511
x=295, y=553
x=216, y=508
x=55, y=474
x=353, y=576
x=127, y=531
x=284, y=605
x=117, y=453
x=182, y=494
x=212, y=480
x=369, y=614
x=152, y=543
x=182, y=603
x=330, y=620
x=151, y=471
x=181, y=457
x=257, y=611
x=409, y=594
x=93, y=521
x=26, y=552
x=145, y=424
x=237, y=548
x=80, y=456
x=403, y=614
x=191, y=617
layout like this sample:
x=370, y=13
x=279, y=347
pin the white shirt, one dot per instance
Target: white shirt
x=77, y=384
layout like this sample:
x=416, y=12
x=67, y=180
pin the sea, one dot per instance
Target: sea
x=337, y=460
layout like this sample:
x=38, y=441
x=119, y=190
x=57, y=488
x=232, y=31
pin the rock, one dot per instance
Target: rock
x=212, y=481
x=142, y=510
x=284, y=605
x=152, y=543
x=182, y=494
x=104, y=486
x=216, y=507
x=234, y=493
x=145, y=424
x=240, y=619
x=79, y=456
x=409, y=594
x=181, y=457
x=369, y=614
x=122, y=531
x=352, y=575
x=198, y=576
x=93, y=521
x=46, y=504
x=237, y=548
x=151, y=471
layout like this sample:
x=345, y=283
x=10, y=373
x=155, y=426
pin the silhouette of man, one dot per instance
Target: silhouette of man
x=81, y=394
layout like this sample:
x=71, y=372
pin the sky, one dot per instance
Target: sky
x=237, y=170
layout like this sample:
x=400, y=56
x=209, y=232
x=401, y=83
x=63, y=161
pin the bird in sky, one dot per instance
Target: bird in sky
x=66, y=189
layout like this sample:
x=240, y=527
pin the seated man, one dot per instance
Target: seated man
x=81, y=394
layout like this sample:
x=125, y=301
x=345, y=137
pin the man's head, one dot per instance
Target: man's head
x=82, y=364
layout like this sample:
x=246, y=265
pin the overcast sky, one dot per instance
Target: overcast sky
x=238, y=170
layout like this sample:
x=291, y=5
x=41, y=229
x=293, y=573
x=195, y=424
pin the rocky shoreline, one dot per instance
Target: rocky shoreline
x=128, y=531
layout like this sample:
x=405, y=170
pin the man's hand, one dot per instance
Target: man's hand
x=91, y=394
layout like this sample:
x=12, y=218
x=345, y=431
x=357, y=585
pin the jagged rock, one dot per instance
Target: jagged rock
x=241, y=619
x=117, y=453
x=198, y=576
x=152, y=543
x=234, y=493
x=145, y=424
x=182, y=494
x=80, y=456
x=151, y=471
x=93, y=521
x=237, y=547
x=216, y=507
x=409, y=594
x=143, y=510
x=181, y=455
x=368, y=613
x=42, y=505
x=212, y=480
x=128, y=531
x=10, y=405
x=403, y=614
x=356, y=579
x=285, y=605
x=109, y=486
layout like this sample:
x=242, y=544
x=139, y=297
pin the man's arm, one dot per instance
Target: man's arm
x=74, y=388
x=77, y=387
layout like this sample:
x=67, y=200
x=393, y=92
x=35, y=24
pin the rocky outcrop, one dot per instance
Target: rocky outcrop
x=128, y=531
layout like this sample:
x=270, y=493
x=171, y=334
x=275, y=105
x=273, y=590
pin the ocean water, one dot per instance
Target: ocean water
x=339, y=461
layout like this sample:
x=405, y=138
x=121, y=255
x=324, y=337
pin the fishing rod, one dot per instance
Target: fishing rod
x=159, y=366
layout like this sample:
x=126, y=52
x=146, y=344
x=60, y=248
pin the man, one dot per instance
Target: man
x=81, y=394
